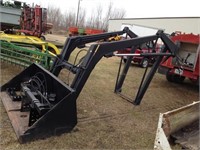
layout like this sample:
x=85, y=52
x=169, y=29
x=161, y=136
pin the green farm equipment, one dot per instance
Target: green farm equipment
x=24, y=54
x=81, y=31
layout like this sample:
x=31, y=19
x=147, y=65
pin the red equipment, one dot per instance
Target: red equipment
x=143, y=61
x=33, y=21
x=73, y=31
x=90, y=31
x=186, y=64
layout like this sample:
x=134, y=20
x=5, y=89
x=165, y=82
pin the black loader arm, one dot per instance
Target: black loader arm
x=73, y=42
x=97, y=51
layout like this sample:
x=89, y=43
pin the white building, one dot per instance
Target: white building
x=168, y=24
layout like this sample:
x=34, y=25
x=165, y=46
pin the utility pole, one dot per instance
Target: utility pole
x=77, y=13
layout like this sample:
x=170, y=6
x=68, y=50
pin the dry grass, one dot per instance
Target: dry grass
x=105, y=120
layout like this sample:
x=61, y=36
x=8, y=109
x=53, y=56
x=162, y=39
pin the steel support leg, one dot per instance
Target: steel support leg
x=147, y=81
x=120, y=80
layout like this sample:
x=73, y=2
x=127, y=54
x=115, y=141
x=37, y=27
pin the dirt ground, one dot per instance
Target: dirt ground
x=105, y=120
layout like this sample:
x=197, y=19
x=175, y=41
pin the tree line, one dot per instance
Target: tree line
x=98, y=19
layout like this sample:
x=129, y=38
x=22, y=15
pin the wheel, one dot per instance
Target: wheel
x=43, y=38
x=144, y=63
x=169, y=76
x=174, y=77
x=124, y=60
x=52, y=50
x=178, y=78
x=18, y=33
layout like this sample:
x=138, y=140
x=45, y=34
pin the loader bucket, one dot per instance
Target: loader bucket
x=179, y=126
x=38, y=104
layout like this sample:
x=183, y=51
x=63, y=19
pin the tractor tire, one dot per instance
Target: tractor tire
x=174, y=77
x=169, y=77
x=178, y=78
x=144, y=63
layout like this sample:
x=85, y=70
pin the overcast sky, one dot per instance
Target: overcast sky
x=134, y=8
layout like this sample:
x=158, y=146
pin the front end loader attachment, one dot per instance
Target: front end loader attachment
x=38, y=104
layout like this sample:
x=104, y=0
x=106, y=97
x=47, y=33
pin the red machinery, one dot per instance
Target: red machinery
x=81, y=31
x=186, y=64
x=143, y=61
x=73, y=31
x=33, y=21
x=90, y=31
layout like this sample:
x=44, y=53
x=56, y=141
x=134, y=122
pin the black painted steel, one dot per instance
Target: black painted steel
x=60, y=117
x=73, y=42
x=120, y=81
x=168, y=50
x=52, y=103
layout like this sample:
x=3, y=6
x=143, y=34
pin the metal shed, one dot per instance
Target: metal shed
x=168, y=24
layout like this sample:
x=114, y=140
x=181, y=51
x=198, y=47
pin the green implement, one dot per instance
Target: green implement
x=24, y=54
x=81, y=31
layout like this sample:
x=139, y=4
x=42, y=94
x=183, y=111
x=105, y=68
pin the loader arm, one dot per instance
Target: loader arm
x=96, y=52
x=73, y=42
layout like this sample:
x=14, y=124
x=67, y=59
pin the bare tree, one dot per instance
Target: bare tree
x=107, y=16
x=69, y=19
x=81, y=18
x=112, y=14
x=54, y=16
x=97, y=20
x=117, y=13
x=90, y=21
